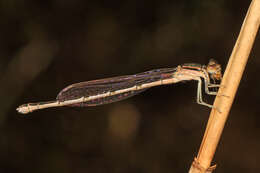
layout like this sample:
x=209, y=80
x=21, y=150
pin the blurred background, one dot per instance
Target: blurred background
x=47, y=45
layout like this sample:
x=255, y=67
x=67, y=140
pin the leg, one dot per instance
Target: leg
x=210, y=85
x=199, y=95
x=213, y=85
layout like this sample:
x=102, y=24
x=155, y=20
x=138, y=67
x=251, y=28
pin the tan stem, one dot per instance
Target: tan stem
x=226, y=93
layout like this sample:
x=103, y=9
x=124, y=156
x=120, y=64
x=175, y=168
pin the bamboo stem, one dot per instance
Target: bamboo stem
x=226, y=93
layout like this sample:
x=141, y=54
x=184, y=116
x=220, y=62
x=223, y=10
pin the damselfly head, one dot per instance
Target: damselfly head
x=214, y=69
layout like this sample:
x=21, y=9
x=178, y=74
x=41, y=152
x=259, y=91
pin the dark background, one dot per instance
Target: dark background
x=47, y=45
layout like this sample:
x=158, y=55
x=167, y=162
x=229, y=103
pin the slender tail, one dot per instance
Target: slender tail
x=30, y=107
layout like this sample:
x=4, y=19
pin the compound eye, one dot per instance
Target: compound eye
x=217, y=75
x=212, y=62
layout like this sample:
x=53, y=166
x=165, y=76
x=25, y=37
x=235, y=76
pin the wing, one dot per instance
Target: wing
x=96, y=87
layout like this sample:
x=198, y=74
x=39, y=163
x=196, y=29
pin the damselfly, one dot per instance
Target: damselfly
x=103, y=91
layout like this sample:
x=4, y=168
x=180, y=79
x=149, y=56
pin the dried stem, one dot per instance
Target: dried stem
x=226, y=93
